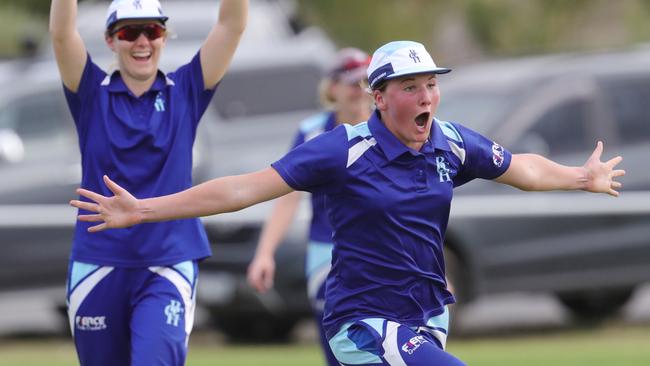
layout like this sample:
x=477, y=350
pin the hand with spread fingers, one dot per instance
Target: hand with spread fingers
x=600, y=175
x=119, y=211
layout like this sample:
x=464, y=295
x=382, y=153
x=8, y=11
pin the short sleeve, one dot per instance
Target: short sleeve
x=318, y=165
x=91, y=79
x=188, y=79
x=485, y=158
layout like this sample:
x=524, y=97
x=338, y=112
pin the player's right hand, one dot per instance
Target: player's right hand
x=119, y=211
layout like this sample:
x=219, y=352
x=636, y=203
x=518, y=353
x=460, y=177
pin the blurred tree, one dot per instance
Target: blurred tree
x=470, y=29
x=456, y=31
x=370, y=23
x=23, y=24
x=20, y=31
x=38, y=8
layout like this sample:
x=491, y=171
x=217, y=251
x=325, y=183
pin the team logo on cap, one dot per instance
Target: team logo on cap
x=137, y=4
x=414, y=56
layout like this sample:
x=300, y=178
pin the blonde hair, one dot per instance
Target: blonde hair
x=325, y=97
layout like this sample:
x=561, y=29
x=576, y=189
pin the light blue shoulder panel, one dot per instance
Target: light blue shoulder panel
x=358, y=130
x=315, y=122
x=449, y=130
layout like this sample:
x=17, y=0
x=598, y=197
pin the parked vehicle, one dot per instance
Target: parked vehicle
x=591, y=251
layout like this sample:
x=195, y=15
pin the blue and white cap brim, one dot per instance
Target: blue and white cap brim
x=418, y=70
x=400, y=58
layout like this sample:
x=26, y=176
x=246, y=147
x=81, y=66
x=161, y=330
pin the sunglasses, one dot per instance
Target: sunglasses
x=353, y=64
x=131, y=32
x=338, y=74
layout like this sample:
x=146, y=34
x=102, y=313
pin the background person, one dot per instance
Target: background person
x=131, y=292
x=346, y=102
x=388, y=185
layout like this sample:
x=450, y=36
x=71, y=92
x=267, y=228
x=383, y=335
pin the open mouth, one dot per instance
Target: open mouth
x=141, y=56
x=422, y=119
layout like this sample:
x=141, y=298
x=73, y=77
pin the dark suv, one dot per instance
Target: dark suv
x=590, y=250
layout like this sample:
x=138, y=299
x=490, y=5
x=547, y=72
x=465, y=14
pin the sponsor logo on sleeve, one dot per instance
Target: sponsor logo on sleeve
x=497, y=155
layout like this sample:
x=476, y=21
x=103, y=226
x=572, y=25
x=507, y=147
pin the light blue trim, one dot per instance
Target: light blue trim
x=187, y=270
x=315, y=122
x=358, y=130
x=319, y=254
x=440, y=321
x=80, y=271
x=347, y=352
x=377, y=324
x=449, y=130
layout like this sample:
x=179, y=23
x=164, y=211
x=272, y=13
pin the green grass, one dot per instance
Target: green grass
x=600, y=347
x=619, y=346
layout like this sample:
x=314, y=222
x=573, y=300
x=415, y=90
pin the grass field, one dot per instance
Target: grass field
x=611, y=346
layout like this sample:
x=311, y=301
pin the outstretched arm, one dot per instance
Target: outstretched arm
x=218, y=49
x=69, y=48
x=216, y=196
x=531, y=172
x=262, y=269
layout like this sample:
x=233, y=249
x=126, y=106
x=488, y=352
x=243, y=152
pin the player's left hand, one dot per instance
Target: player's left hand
x=601, y=175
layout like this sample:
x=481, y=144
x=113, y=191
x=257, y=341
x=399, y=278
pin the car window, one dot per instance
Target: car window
x=629, y=100
x=271, y=90
x=560, y=130
x=42, y=123
x=480, y=111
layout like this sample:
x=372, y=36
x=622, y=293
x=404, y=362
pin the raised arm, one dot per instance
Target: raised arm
x=218, y=49
x=262, y=269
x=216, y=196
x=69, y=49
x=531, y=172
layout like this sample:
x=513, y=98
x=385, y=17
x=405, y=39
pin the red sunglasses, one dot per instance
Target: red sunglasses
x=131, y=32
x=353, y=64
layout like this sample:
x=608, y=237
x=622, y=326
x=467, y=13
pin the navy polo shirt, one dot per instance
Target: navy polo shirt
x=320, y=230
x=389, y=207
x=145, y=145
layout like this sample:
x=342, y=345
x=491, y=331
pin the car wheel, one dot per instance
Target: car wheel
x=456, y=280
x=457, y=283
x=595, y=306
x=255, y=328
